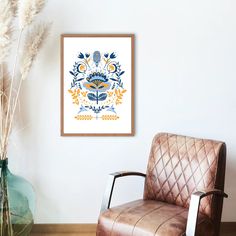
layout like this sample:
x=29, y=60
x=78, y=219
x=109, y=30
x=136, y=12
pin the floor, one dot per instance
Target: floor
x=225, y=234
x=87, y=234
x=68, y=234
x=91, y=234
x=228, y=231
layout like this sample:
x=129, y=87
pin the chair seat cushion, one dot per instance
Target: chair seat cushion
x=148, y=218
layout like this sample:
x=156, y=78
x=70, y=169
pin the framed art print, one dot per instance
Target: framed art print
x=97, y=85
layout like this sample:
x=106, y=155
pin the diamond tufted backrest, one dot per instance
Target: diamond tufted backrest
x=180, y=165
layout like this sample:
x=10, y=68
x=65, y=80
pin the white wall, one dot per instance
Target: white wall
x=185, y=82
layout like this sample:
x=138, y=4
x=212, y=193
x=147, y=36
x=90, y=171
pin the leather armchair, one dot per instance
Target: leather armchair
x=183, y=191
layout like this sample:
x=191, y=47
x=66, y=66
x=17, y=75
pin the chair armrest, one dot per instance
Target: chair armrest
x=194, y=207
x=110, y=186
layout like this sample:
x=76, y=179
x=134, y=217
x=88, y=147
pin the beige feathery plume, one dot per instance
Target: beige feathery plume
x=39, y=4
x=6, y=17
x=4, y=98
x=14, y=6
x=28, y=9
x=34, y=41
x=4, y=89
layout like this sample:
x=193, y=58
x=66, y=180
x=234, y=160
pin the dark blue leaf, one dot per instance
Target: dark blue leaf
x=80, y=79
x=72, y=73
x=121, y=73
x=92, y=97
x=113, y=79
x=102, y=97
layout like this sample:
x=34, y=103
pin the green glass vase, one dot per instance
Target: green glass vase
x=17, y=203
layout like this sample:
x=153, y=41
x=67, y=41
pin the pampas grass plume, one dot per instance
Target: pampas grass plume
x=14, y=6
x=6, y=17
x=34, y=41
x=27, y=11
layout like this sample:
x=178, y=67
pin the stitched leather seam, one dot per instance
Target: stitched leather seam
x=176, y=142
x=169, y=147
x=163, y=168
x=113, y=224
x=208, y=199
x=157, y=208
x=180, y=162
x=159, y=226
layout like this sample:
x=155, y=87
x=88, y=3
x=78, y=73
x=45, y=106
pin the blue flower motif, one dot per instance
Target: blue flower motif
x=87, y=55
x=80, y=67
x=112, y=109
x=97, y=76
x=113, y=56
x=81, y=109
x=97, y=82
x=96, y=57
x=81, y=56
x=106, y=55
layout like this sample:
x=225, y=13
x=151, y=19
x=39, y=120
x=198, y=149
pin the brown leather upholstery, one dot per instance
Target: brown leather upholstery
x=180, y=165
x=148, y=218
x=177, y=166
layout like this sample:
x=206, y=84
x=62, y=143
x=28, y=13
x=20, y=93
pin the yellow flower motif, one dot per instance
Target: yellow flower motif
x=84, y=93
x=82, y=68
x=110, y=93
x=111, y=68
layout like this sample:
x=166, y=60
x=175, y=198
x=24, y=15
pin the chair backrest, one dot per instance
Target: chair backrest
x=180, y=165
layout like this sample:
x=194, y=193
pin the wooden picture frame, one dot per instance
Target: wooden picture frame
x=97, y=85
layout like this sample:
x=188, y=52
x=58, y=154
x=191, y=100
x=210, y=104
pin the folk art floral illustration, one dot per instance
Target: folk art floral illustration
x=97, y=86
